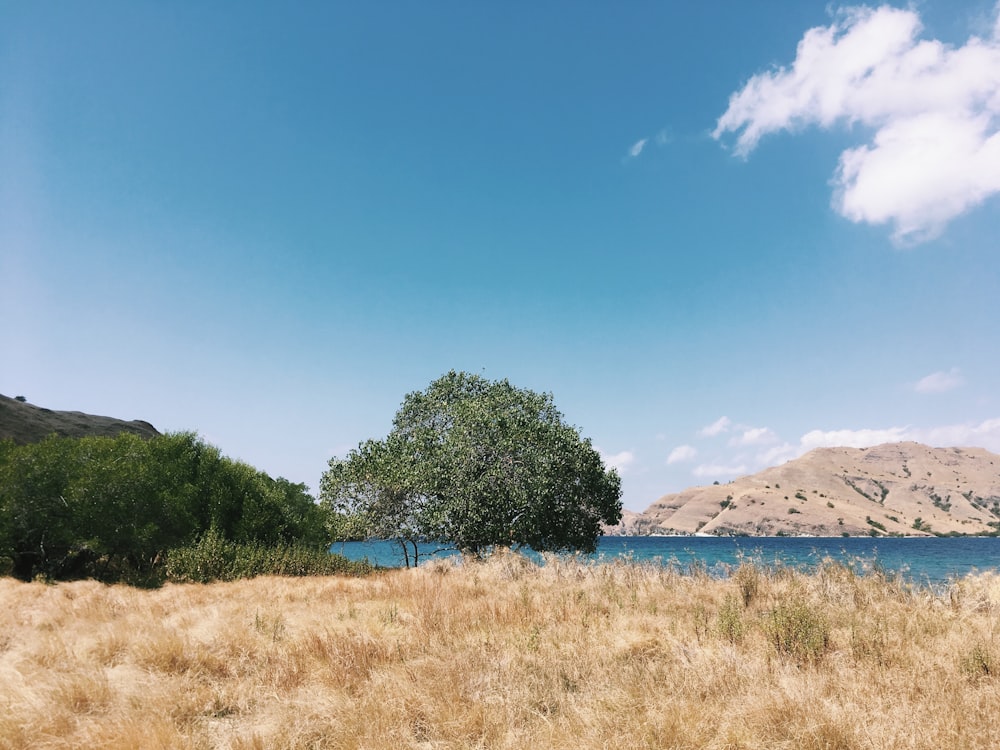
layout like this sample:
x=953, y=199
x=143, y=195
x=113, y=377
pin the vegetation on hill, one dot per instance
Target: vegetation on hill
x=24, y=422
x=116, y=508
x=476, y=464
x=897, y=489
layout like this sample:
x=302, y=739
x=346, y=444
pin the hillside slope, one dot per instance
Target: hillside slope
x=26, y=423
x=891, y=489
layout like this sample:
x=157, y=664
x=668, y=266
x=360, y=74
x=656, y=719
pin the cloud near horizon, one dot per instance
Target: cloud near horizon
x=934, y=109
x=985, y=434
x=718, y=471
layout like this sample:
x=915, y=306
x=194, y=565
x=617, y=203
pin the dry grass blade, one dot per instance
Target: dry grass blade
x=503, y=655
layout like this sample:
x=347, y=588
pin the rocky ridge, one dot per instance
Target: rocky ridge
x=26, y=423
x=896, y=489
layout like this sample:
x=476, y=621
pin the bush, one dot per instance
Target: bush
x=747, y=579
x=110, y=508
x=979, y=662
x=730, y=621
x=798, y=632
x=213, y=558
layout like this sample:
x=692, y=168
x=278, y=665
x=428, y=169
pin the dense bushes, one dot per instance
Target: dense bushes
x=111, y=508
x=212, y=558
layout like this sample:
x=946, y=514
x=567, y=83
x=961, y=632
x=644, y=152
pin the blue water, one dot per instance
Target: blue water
x=929, y=560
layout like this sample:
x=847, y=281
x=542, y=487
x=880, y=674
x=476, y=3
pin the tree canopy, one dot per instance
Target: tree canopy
x=112, y=507
x=477, y=464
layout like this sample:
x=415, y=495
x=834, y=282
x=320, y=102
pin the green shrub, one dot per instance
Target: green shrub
x=875, y=524
x=979, y=662
x=213, y=558
x=747, y=579
x=798, y=632
x=730, y=621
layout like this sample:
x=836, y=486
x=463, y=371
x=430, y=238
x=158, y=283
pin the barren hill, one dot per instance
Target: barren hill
x=27, y=423
x=891, y=489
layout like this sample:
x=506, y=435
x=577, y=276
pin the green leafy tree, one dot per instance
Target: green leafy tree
x=112, y=507
x=374, y=494
x=478, y=464
x=38, y=519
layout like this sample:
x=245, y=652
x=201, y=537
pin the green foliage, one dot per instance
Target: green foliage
x=979, y=661
x=942, y=503
x=477, y=464
x=110, y=508
x=797, y=631
x=214, y=558
x=730, y=620
x=874, y=524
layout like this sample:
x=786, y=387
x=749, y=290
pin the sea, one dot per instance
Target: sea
x=919, y=560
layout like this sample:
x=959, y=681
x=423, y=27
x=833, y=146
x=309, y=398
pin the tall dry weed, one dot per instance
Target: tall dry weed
x=504, y=654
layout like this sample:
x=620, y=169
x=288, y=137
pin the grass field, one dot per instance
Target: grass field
x=504, y=655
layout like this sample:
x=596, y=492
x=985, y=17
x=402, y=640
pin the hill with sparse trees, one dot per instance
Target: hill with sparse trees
x=896, y=489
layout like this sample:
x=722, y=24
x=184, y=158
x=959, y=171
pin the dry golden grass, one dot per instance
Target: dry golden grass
x=503, y=655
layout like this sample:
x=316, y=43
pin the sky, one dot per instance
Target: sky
x=720, y=234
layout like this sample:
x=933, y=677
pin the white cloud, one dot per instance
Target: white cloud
x=682, y=454
x=935, y=110
x=718, y=470
x=755, y=436
x=637, y=147
x=852, y=438
x=777, y=454
x=620, y=461
x=939, y=382
x=717, y=427
x=984, y=434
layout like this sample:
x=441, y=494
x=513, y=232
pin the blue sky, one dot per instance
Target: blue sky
x=720, y=234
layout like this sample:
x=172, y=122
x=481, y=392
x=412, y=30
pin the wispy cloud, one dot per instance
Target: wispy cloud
x=985, y=434
x=754, y=436
x=939, y=382
x=862, y=438
x=661, y=139
x=682, y=454
x=717, y=427
x=935, y=110
x=637, y=147
x=719, y=471
x=777, y=454
x=753, y=449
x=620, y=461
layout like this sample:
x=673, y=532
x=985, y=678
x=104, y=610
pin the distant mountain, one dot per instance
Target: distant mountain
x=27, y=423
x=892, y=489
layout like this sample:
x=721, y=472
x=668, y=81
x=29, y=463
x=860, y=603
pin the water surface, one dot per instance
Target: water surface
x=929, y=560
